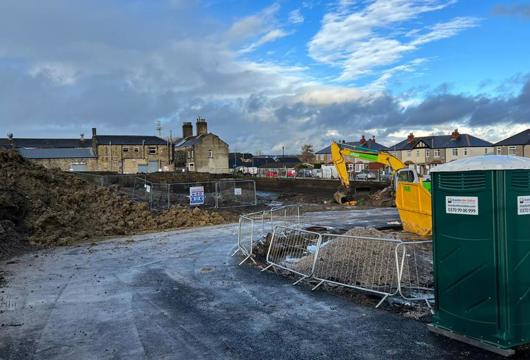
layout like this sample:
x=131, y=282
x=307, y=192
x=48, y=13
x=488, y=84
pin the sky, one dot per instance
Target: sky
x=266, y=74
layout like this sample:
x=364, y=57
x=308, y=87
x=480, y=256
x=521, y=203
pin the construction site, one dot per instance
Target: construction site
x=105, y=266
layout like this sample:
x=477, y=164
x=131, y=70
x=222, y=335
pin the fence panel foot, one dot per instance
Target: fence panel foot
x=266, y=267
x=299, y=280
x=317, y=285
x=380, y=302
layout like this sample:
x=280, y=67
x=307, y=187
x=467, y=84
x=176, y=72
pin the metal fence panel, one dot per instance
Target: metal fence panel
x=415, y=266
x=179, y=193
x=294, y=250
x=362, y=263
x=233, y=193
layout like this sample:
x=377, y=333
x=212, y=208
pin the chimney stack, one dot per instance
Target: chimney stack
x=187, y=129
x=455, y=135
x=373, y=138
x=410, y=138
x=362, y=141
x=94, y=132
x=202, y=126
x=82, y=138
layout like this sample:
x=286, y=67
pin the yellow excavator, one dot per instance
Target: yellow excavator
x=413, y=195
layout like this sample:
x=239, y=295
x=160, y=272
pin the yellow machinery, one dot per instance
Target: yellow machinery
x=413, y=197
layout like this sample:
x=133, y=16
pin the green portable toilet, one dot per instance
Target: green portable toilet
x=481, y=251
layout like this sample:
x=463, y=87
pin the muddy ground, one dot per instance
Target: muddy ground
x=180, y=295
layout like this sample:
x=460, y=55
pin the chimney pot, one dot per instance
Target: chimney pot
x=455, y=135
x=410, y=138
x=363, y=140
x=187, y=129
x=202, y=126
x=94, y=133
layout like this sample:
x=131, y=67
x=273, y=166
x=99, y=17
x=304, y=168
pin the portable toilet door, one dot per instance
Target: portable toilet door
x=481, y=250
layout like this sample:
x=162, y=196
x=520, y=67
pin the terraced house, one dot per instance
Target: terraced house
x=427, y=151
x=518, y=144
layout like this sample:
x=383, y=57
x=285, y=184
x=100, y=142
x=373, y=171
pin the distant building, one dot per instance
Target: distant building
x=240, y=159
x=129, y=154
x=204, y=152
x=427, y=151
x=114, y=153
x=64, y=154
x=518, y=144
x=324, y=156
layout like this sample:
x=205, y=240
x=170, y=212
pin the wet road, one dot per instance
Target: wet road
x=179, y=295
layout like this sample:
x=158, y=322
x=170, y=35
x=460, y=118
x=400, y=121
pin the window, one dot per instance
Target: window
x=436, y=152
x=511, y=150
x=499, y=150
x=125, y=149
x=417, y=153
x=455, y=152
x=485, y=150
x=427, y=153
x=210, y=154
x=137, y=149
x=409, y=152
x=465, y=151
x=152, y=150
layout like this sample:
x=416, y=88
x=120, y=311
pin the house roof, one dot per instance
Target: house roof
x=370, y=144
x=129, y=140
x=522, y=138
x=45, y=143
x=442, y=142
x=189, y=141
x=57, y=153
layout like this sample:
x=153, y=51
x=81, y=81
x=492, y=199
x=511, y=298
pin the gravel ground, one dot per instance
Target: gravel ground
x=179, y=295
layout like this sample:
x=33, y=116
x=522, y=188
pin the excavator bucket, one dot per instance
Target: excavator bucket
x=344, y=198
x=413, y=202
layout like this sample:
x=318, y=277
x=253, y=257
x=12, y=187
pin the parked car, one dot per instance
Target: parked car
x=271, y=174
x=291, y=173
x=365, y=175
x=304, y=173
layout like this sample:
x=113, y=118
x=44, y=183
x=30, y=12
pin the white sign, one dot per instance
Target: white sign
x=238, y=191
x=197, y=195
x=147, y=188
x=461, y=205
x=523, y=205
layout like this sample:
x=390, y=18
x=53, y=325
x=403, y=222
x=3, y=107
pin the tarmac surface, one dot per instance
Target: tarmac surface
x=180, y=295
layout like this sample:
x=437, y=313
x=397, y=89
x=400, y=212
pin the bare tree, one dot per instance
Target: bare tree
x=308, y=154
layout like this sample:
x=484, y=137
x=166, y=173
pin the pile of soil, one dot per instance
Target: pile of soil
x=49, y=207
x=382, y=198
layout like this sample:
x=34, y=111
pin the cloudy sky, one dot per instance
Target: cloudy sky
x=265, y=74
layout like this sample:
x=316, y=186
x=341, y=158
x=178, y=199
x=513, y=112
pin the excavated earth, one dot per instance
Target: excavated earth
x=47, y=207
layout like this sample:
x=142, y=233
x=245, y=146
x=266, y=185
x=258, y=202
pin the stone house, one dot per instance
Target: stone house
x=64, y=154
x=427, y=151
x=129, y=154
x=204, y=152
x=518, y=144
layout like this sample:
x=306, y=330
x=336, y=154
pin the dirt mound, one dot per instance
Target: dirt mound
x=383, y=197
x=49, y=207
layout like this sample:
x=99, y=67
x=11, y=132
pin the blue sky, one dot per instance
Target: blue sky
x=266, y=74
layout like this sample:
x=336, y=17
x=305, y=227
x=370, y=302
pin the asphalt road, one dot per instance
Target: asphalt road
x=179, y=295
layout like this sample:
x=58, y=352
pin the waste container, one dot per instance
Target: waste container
x=481, y=250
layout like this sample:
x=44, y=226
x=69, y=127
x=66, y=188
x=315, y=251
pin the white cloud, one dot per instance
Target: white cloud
x=358, y=41
x=268, y=37
x=296, y=17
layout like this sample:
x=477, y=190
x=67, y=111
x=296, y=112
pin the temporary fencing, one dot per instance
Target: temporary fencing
x=215, y=194
x=362, y=263
x=387, y=267
x=294, y=250
x=254, y=227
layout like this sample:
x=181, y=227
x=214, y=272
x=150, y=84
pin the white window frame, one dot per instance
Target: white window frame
x=152, y=150
x=512, y=150
x=210, y=154
x=499, y=150
x=465, y=152
x=455, y=151
x=427, y=152
x=436, y=153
